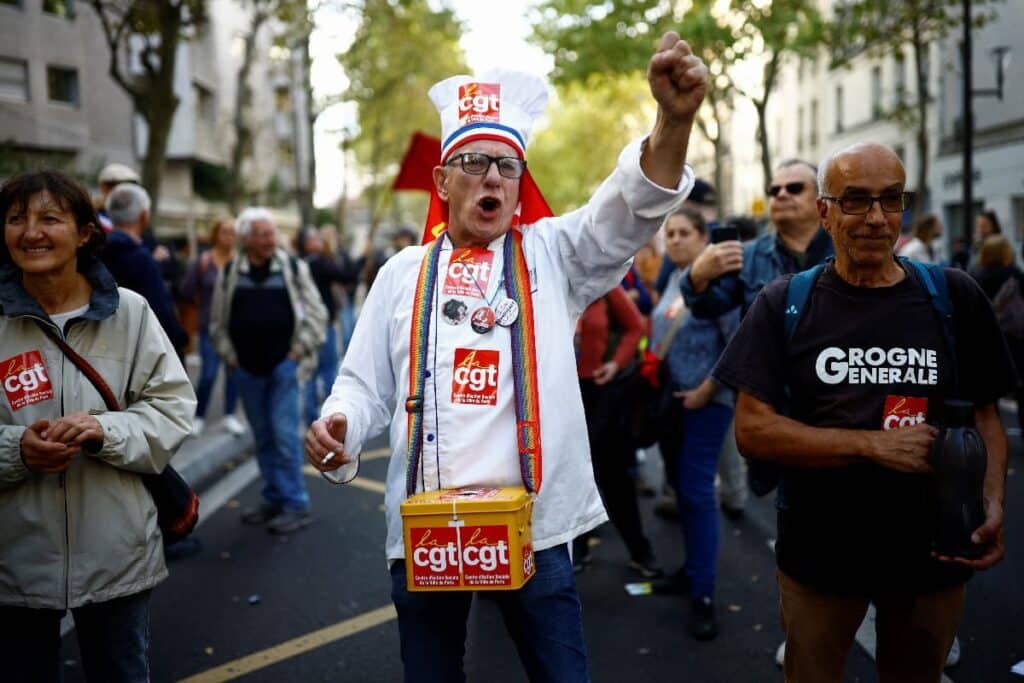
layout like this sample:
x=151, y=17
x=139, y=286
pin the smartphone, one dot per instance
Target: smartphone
x=724, y=233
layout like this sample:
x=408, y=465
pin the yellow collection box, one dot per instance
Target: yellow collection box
x=468, y=539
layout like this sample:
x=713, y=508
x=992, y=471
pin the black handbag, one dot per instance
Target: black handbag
x=177, y=505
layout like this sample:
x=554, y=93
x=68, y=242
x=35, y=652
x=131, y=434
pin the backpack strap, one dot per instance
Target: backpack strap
x=933, y=278
x=797, y=293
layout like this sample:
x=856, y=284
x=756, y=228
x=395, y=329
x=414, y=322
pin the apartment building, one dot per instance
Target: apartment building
x=59, y=106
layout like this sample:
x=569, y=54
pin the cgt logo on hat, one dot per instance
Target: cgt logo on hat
x=479, y=102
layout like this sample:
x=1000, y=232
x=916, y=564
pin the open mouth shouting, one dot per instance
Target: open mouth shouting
x=489, y=207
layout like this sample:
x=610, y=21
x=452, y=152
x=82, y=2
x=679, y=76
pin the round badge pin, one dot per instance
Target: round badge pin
x=506, y=312
x=482, y=320
x=454, y=311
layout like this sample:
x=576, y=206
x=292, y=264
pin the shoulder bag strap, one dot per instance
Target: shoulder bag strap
x=82, y=364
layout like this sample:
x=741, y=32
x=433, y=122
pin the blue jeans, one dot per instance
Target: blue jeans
x=113, y=638
x=704, y=432
x=347, y=318
x=210, y=364
x=319, y=385
x=544, y=618
x=272, y=408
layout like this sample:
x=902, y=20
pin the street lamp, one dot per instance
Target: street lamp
x=1001, y=56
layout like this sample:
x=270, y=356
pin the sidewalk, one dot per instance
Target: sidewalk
x=203, y=459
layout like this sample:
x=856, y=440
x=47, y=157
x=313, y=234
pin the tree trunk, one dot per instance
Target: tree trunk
x=922, y=199
x=158, y=105
x=243, y=99
x=771, y=69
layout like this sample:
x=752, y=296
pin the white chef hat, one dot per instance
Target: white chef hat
x=493, y=105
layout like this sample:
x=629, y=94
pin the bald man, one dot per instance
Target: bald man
x=856, y=500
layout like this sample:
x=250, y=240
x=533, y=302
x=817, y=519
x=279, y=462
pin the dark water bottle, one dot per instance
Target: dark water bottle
x=959, y=459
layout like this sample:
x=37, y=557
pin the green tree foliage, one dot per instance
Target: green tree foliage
x=579, y=143
x=599, y=37
x=886, y=28
x=402, y=47
x=148, y=32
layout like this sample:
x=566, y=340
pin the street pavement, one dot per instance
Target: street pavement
x=315, y=606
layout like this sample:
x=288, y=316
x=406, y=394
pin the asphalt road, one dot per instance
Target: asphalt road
x=315, y=606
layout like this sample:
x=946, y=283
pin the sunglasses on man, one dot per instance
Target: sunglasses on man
x=793, y=189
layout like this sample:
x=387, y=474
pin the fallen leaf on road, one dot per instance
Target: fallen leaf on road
x=233, y=503
x=643, y=651
x=225, y=555
x=758, y=627
x=208, y=650
x=755, y=578
x=735, y=608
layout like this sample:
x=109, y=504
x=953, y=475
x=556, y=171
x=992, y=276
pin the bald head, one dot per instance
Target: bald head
x=842, y=161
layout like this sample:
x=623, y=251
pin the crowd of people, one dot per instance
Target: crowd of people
x=560, y=315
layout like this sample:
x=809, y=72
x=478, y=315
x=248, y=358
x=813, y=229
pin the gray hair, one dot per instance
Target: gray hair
x=126, y=202
x=252, y=214
x=849, y=149
x=787, y=163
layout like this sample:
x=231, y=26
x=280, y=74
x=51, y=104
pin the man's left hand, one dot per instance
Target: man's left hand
x=989, y=535
x=678, y=78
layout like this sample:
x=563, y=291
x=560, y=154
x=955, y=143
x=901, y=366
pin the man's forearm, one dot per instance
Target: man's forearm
x=664, y=155
x=990, y=427
x=785, y=442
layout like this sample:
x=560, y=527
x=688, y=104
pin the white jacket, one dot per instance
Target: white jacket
x=573, y=260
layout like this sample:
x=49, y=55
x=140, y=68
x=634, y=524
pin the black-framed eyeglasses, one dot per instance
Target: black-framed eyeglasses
x=478, y=163
x=791, y=188
x=860, y=204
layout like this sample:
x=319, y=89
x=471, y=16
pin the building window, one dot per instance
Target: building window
x=65, y=9
x=839, y=109
x=206, y=104
x=62, y=85
x=13, y=79
x=899, y=73
x=800, y=129
x=814, y=124
x=876, y=93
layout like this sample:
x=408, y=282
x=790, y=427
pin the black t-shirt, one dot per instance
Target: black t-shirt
x=865, y=358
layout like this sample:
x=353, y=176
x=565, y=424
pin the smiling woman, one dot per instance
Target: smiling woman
x=78, y=529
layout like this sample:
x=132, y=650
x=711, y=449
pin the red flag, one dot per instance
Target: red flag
x=417, y=170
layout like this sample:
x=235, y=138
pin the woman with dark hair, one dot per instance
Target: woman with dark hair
x=705, y=413
x=78, y=529
x=919, y=246
x=198, y=284
x=986, y=224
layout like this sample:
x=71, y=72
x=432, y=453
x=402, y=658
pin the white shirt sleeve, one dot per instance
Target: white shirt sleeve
x=597, y=242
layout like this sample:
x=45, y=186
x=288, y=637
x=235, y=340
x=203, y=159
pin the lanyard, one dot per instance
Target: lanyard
x=524, y=361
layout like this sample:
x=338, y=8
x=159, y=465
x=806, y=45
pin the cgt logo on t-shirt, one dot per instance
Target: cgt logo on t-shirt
x=903, y=411
x=475, y=377
x=26, y=380
x=877, y=366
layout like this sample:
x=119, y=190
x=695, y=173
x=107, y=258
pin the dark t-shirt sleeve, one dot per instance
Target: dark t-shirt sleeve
x=754, y=362
x=986, y=370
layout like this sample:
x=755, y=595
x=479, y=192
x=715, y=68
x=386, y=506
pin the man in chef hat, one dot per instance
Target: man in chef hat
x=471, y=336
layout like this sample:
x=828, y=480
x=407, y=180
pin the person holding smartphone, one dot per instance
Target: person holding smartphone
x=796, y=243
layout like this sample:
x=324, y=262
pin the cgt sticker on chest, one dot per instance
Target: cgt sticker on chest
x=469, y=272
x=25, y=380
x=475, y=377
x=903, y=411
